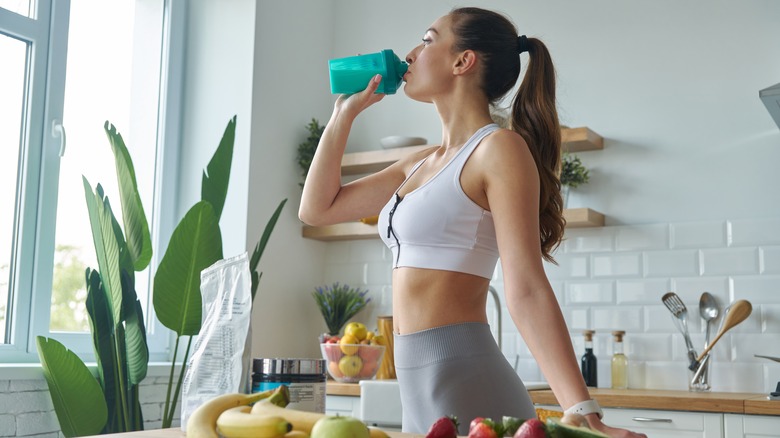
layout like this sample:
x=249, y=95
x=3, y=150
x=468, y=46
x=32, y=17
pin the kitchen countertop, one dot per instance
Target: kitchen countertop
x=719, y=402
x=177, y=433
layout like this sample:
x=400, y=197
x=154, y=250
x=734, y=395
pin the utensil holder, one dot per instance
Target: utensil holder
x=699, y=379
x=387, y=367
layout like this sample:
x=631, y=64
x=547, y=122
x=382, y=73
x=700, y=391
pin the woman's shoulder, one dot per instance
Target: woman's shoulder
x=503, y=144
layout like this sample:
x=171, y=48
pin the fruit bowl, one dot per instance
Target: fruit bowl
x=351, y=363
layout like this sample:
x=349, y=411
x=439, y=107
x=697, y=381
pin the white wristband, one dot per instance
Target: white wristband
x=584, y=408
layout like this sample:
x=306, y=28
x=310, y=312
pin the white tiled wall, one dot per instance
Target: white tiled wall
x=26, y=408
x=612, y=278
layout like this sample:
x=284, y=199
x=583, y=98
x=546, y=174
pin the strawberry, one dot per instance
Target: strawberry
x=482, y=430
x=532, y=428
x=444, y=427
x=475, y=421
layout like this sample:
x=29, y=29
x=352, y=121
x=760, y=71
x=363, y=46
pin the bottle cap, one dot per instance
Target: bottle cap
x=589, y=334
x=618, y=334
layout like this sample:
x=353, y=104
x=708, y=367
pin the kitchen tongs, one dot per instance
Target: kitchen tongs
x=675, y=305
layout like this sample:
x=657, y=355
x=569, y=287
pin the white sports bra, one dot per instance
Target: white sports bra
x=437, y=226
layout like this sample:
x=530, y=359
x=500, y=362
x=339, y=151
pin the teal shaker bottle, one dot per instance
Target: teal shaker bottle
x=351, y=74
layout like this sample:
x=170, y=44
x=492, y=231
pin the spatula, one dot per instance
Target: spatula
x=675, y=305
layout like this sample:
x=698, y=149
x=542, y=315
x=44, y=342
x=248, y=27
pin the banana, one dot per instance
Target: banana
x=238, y=422
x=300, y=420
x=203, y=421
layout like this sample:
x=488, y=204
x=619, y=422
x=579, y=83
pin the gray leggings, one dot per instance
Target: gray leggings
x=456, y=370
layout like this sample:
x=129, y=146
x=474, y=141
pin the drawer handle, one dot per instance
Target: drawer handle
x=652, y=420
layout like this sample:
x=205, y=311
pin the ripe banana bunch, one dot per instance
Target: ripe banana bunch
x=300, y=420
x=238, y=422
x=203, y=421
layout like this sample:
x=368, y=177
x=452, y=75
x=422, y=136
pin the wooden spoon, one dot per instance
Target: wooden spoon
x=739, y=312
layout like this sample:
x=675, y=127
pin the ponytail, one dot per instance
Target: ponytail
x=535, y=118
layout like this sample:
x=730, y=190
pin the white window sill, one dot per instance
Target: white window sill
x=33, y=371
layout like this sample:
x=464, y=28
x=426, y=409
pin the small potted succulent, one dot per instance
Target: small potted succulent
x=573, y=174
x=338, y=304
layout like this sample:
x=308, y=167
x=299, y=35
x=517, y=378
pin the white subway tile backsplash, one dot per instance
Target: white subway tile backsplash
x=757, y=289
x=344, y=273
x=666, y=375
x=577, y=318
x=770, y=320
x=7, y=425
x=569, y=266
x=628, y=318
x=737, y=377
x=648, y=347
x=690, y=289
x=591, y=292
x=699, y=234
x=362, y=251
x=770, y=260
x=745, y=346
x=730, y=261
x=579, y=240
x=642, y=237
x=755, y=232
x=617, y=265
x=641, y=291
x=35, y=423
x=671, y=263
x=771, y=376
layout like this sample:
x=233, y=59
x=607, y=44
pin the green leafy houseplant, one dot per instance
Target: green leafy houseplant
x=573, y=172
x=307, y=149
x=338, y=303
x=84, y=405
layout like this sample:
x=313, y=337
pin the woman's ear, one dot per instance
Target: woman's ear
x=465, y=63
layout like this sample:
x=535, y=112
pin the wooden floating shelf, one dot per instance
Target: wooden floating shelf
x=357, y=163
x=575, y=218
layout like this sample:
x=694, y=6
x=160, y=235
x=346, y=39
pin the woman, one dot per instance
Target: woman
x=449, y=211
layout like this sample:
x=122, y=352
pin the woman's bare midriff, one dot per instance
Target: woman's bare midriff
x=428, y=298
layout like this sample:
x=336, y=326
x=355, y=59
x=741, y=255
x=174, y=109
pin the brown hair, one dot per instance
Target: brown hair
x=534, y=114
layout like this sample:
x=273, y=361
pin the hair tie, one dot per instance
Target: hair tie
x=522, y=44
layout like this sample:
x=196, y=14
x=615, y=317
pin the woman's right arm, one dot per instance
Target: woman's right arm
x=325, y=200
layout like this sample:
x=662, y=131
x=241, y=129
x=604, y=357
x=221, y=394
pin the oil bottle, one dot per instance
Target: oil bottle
x=589, y=365
x=619, y=362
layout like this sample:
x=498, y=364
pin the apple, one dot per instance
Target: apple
x=357, y=330
x=349, y=344
x=333, y=352
x=370, y=353
x=333, y=368
x=339, y=427
x=369, y=369
x=350, y=366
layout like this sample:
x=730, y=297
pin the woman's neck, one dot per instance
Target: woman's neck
x=461, y=115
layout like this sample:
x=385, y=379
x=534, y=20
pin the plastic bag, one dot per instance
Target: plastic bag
x=220, y=361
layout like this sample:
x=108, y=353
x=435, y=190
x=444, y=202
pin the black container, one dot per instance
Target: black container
x=304, y=377
x=588, y=361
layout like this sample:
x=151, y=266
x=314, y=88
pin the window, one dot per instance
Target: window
x=68, y=68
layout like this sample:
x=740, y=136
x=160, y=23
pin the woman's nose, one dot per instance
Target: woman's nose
x=410, y=56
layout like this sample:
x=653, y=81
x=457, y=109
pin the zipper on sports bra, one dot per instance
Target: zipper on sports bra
x=390, y=227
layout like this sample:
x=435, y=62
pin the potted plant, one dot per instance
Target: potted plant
x=573, y=174
x=338, y=304
x=110, y=403
x=307, y=149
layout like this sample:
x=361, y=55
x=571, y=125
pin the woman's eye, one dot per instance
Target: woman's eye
x=426, y=41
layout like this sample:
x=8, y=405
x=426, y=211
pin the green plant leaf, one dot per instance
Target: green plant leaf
x=101, y=327
x=135, y=344
x=139, y=242
x=106, y=247
x=216, y=176
x=260, y=247
x=76, y=395
x=196, y=244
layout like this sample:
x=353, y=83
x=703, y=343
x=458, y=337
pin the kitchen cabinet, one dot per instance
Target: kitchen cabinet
x=667, y=424
x=356, y=163
x=343, y=405
x=753, y=426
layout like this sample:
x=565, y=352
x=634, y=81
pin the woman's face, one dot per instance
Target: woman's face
x=430, y=63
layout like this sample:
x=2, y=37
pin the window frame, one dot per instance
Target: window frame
x=28, y=315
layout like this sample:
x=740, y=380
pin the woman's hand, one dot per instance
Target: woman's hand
x=595, y=423
x=351, y=105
